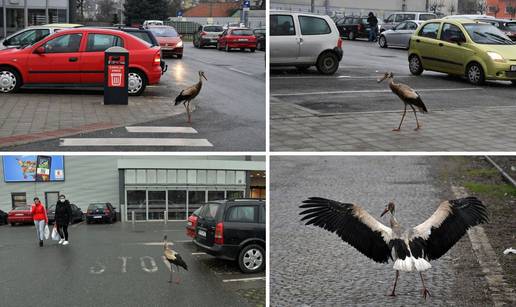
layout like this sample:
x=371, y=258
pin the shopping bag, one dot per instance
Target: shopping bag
x=55, y=234
x=47, y=232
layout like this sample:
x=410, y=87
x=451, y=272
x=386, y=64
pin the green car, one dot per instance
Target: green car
x=463, y=47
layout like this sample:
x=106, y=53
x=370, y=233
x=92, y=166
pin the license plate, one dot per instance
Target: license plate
x=189, y=223
x=97, y=217
x=242, y=39
x=213, y=40
x=513, y=67
x=202, y=233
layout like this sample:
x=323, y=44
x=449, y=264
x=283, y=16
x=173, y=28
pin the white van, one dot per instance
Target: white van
x=303, y=40
x=399, y=17
x=147, y=23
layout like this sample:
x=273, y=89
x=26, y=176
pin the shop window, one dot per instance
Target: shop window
x=234, y=194
x=2, y=28
x=230, y=177
x=257, y=192
x=56, y=16
x=195, y=200
x=36, y=17
x=201, y=177
x=177, y=205
x=14, y=20
x=157, y=205
x=215, y=195
x=19, y=199
x=136, y=202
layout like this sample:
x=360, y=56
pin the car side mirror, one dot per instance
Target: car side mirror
x=40, y=50
x=5, y=42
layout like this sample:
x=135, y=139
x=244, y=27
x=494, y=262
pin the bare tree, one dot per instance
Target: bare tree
x=482, y=6
x=452, y=8
x=436, y=6
x=494, y=9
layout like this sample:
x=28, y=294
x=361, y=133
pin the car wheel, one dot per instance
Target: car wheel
x=513, y=82
x=382, y=41
x=10, y=80
x=475, y=74
x=415, y=65
x=259, y=46
x=179, y=56
x=252, y=49
x=327, y=63
x=12, y=224
x=351, y=36
x=251, y=259
x=137, y=81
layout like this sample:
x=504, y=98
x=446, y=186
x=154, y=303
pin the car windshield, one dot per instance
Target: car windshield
x=213, y=29
x=242, y=32
x=164, y=32
x=487, y=34
x=22, y=208
x=510, y=26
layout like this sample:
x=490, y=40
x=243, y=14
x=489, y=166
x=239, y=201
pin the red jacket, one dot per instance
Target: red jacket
x=39, y=213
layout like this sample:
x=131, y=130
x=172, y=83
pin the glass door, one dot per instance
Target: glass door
x=137, y=203
x=157, y=205
x=177, y=204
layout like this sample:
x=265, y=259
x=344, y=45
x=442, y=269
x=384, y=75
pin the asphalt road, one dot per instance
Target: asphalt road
x=230, y=110
x=354, y=87
x=313, y=267
x=117, y=265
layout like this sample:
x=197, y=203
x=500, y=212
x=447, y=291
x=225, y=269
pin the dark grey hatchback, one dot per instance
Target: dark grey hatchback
x=234, y=230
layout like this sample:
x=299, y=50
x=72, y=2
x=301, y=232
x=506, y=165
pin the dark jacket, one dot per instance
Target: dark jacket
x=372, y=21
x=63, y=213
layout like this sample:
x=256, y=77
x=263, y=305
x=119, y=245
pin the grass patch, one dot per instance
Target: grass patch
x=496, y=190
x=483, y=172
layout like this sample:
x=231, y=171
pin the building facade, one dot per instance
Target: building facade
x=18, y=14
x=502, y=8
x=148, y=188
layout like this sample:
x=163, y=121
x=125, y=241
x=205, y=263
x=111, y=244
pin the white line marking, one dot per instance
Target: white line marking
x=98, y=268
x=149, y=129
x=240, y=71
x=135, y=142
x=336, y=77
x=183, y=241
x=153, y=267
x=154, y=243
x=379, y=91
x=198, y=253
x=124, y=263
x=244, y=279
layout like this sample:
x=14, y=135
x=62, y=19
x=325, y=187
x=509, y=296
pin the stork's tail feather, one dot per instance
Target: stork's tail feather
x=420, y=105
x=180, y=262
x=180, y=98
x=421, y=264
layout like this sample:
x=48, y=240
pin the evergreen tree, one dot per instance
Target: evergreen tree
x=137, y=11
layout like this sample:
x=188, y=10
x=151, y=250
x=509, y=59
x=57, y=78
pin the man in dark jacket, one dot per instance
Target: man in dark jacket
x=373, y=26
x=63, y=217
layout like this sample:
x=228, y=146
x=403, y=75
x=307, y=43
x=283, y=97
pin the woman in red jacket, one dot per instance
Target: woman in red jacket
x=39, y=215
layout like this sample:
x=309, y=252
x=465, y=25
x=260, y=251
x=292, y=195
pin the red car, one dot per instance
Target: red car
x=192, y=223
x=240, y=38
x=20, y=215
x=75, y=57
x=169, y=40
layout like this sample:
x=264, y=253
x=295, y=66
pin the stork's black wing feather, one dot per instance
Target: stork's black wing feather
x=180, y=262
x=180, y=98
x=352, y=223
x=419, y=103
x=446, y=226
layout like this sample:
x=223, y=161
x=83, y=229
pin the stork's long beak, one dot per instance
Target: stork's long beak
x=384, y=211
x=204, y=77
x=383, y=78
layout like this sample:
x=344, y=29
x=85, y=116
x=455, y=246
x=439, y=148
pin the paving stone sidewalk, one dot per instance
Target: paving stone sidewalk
x=23, y=114
x=293, y=128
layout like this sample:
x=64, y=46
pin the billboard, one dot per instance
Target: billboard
x=33, y=168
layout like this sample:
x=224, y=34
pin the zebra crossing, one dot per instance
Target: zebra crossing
x=143, y=141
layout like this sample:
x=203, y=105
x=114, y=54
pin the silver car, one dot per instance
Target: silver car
x=303, y=40
x=400, y=35
x=396, y=18
x=33, y=34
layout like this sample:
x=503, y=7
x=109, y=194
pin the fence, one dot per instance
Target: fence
x=187, y=26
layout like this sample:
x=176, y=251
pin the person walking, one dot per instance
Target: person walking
x=63, y=217
x=373, y=26
x=40, y=218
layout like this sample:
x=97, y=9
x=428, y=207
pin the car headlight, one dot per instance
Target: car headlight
x=180, y=44
x=495, y=56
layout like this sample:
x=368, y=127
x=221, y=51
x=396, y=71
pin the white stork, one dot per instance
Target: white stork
x=411, y=249
x=174, y=258
x=189, y=94
x=409, y=97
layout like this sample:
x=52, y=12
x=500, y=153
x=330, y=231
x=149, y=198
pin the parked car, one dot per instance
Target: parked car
x=147, y=23
x=77, y=214
x=399, y=17
x=234, y=230
x=507, y=26
x=169, y=40
x=20, y=215
x=399, y=36
x=75, y=57
x=303, y=40
x=33, y=34
x=3, y=218
x=479, y=51
x=101, y=212
x=260, y=34
x=233, y=25
x=353, y=27
x=192, y=222
x=207, y=35
x=237, y=38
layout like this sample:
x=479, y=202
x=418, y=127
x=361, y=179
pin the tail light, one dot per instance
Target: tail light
x=360, y=27
x=106, y=212
x=339, y=43
x=194, y=221
x=203, y=33
x=219, y=234
x=157, y=59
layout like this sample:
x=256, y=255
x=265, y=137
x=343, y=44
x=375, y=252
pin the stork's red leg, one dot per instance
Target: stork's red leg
x=402, y=117
x=395, y=282
x=417, y=122
x=425, y=290
x=170, y=280
x=189, y=112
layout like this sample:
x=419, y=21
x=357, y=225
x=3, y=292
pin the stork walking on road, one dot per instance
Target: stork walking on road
x=411, y=249
x=174, y=258
x=409, y=97
x=188, y=94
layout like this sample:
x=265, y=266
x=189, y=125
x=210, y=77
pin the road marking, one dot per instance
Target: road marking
x=153, y=267
x=134, y=142
x=124, y=262
x=240, y=71
x=151, y=129
x=378, y=91
x=183, y=241
x=244, y=279
x=198, y=253
x=98, y=268
x=154, y=243
x=336, y=77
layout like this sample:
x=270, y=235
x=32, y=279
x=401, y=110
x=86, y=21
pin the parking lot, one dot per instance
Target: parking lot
x=350, y=111
x=118, y=265
x=229, y=112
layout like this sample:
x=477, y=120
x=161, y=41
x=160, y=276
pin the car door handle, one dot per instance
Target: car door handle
x=441, y=44
x=74, y=59
x=300, y=40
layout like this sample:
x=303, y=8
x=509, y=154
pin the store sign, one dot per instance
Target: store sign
x=32, y=168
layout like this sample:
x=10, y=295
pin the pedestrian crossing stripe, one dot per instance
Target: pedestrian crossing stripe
x=135, y=142
x=150, y=129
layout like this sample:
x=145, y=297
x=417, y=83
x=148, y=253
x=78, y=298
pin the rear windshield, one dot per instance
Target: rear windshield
x=143, y=36
x=22, y=208
x=210, y=211
x=242, y=32
x=164, y=32
x=213, y=29
x=96, y=206
x=487, y=34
